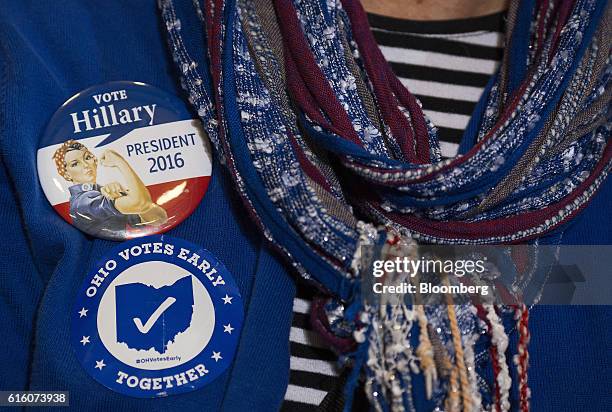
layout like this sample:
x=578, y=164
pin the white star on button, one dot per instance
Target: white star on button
x=228, y=328
x=216, y=356
x=227, y=299
x=100, y=364
x=85, y=340
x=83, y=312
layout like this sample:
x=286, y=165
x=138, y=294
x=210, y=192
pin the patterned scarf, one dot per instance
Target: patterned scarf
x=330, y=152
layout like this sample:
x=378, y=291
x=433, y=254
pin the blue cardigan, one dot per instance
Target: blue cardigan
x=51, y=50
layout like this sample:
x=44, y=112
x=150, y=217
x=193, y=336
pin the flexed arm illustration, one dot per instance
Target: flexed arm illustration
x=135, y=197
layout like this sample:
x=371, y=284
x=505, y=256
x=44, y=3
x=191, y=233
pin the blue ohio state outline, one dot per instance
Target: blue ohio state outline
x=219, y=342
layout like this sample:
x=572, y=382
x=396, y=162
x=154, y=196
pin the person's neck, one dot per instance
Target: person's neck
x=433, y=9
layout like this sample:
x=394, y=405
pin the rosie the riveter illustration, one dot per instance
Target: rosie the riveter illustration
x=109, y=210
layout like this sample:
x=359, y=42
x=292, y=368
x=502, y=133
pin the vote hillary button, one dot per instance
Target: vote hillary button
x=156, y=316
x=123, y=160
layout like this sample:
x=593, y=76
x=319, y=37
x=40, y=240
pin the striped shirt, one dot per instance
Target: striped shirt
x=446, y=65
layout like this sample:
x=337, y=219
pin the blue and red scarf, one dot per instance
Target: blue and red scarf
x=330, y=152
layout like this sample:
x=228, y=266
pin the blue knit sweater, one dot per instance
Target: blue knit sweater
x=51, y=50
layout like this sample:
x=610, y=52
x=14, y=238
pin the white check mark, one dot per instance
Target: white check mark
x=153, y=318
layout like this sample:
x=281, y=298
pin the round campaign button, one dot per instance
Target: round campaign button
x=123, y=160
x=156, y=316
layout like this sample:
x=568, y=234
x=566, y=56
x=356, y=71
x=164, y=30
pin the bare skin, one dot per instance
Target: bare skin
x=135, y=199
x=81, y=166
x=434, y=9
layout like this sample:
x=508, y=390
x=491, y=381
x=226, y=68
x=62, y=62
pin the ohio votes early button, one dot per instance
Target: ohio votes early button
x=123, y=160
x=156, y=316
